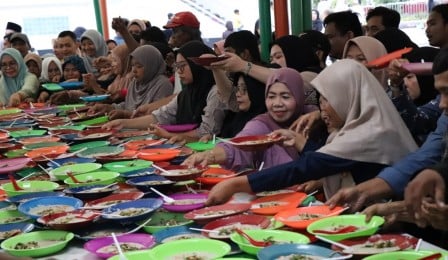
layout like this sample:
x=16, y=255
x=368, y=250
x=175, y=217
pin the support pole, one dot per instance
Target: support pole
x=265, y=28
x=104, y=21
x=281, y=18
x=96, y=5
x=296, y=16
x=307, y=6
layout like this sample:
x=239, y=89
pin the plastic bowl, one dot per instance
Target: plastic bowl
x=91, y=192
x=94, y=246
x=12, y=216
x=26, y=197
x=29, y=187
x=286, y=237
x=16, y=229
x=60, y=239
x=61, y=172
x=359, y=221
x=206, y=248
x=93, y=178
x=286, y=216
x=30, y=206
x=81, y=219
x=161, y=220
x=150, y=206
x=144, y=183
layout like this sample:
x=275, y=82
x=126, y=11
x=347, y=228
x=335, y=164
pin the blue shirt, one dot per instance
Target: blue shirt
x=311, y=166
x=430, y=153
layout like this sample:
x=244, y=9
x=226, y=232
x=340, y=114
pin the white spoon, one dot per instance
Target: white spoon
x=117, y=245
x=165, y=198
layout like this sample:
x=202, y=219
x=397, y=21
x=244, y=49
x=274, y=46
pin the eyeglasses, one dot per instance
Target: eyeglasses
x=11, y=64
x=180, y=66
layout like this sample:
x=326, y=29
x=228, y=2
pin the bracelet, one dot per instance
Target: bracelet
x=248, y=68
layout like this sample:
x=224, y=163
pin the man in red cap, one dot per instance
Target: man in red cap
x=185, y=28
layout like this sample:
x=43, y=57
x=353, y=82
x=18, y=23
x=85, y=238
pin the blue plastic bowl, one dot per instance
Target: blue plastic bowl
x=27, y=206
x=150, y=204
x=141, y=183
x=34, y=195
x=24, y=227
x=77, y=192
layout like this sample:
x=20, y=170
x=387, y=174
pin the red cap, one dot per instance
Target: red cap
x=183, y=19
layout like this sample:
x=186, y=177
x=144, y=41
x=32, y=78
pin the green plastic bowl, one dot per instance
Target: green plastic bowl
x=94, y=121
x=29, y=187
x=103, y=178
x=62, y=238
x=70, y=106
x=15, y=153
x=212, y=248
x=160, y=220
x=9, y=111
x=358, y=220
x=201, y=146
x=12, y=216
x=26, y=133
x=92, y=144
x=76, y=169
x=262, y=234
x=404, y=255
x=127, y=166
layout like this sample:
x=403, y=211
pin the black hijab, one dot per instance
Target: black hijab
x=299, y=53
x=235, y=121
x=394, y=39
x=193, y=97
x=425, y=82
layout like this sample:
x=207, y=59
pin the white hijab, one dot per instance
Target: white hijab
x=373, y=130
x=45, y=64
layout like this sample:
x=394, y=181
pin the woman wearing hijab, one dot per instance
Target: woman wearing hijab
x=33, y=63
x=365, y=135
x=251, y=102
x=16, y=83
x=420, y=88
x=148, y=85
x=415, y=95
x=72, y=70
x=365, y=49
x=51, y=73
x=296, y=53
x=197, y=103
x=394, y=39
x=317, y=23
x=284, y=99
x=93, y=46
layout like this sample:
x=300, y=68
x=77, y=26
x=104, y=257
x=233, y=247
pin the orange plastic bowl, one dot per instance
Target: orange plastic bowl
x=287, y=216
x=279, y=203
x=156, y=155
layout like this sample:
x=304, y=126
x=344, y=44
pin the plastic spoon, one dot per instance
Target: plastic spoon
x=165, y=198
x=138, y=227
x=70, y=174
x=14, y=182
x=117, y=245
x=251, y=240
x=434, y=256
